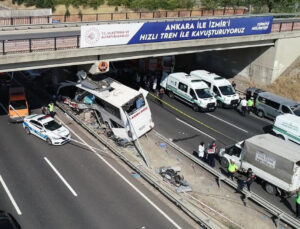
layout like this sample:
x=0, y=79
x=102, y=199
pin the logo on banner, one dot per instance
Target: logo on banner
x=92, y=36
x=103, y=66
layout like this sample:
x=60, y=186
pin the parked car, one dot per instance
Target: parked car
x=270, y=105
x=253, y=92
x=46, y=128
x=18, y=106
x=220, y=87
x=189, y=89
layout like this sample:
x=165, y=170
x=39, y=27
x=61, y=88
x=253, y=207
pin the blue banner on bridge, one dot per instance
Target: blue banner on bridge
x=149, y=32
x=201, y=29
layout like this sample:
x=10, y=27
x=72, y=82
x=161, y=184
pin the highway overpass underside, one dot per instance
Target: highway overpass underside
x=256, y=64
x=259, y=58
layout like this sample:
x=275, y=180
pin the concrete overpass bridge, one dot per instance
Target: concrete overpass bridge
x=260, y=57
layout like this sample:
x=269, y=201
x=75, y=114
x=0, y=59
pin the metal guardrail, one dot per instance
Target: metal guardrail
x=79, y=24
x=140, y=172
x=278, y=213
x=119, y=16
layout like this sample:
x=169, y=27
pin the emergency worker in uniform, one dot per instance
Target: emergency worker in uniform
x=51, y=109
x=232, y=168
x=250, y=104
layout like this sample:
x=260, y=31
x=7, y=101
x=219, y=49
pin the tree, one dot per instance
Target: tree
x=95, y=3
x=275, y=6
x=210, y=4
x=114, y=2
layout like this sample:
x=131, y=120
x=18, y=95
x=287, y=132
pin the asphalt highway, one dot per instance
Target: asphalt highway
x=93, y=194
x=71, y=186
x=178, y=122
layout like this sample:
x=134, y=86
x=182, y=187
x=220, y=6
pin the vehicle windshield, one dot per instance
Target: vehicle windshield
x=233, y=151
x=296, y=110
x=135, y=104
x=52, y=125
x=203, y=93
x=18, y=104
x=227, y=90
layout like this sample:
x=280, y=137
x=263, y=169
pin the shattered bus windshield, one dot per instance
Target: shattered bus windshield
x=134, y=105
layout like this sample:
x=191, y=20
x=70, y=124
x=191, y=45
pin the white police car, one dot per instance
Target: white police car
x=46, y=128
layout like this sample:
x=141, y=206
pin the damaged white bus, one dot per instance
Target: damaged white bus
x=124, y=110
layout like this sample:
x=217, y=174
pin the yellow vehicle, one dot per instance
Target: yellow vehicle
x=18, y=105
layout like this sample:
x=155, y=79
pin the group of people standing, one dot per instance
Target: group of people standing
x=49, y=110
x=208, y=154
x=246, y=106
x=149, y=82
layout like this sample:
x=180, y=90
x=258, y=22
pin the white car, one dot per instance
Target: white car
x=46, y=128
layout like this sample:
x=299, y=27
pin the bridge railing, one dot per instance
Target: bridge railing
x=147, y=15
x=72, y=42
x=119, y=16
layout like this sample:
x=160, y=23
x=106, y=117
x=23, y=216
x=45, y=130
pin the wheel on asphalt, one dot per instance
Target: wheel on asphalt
x=171, y=94
x=224, y=162
x=27, y=130
x=260, y=113
x=219, y=104
x=195, y=107
x=271, y=189
x=49, y=141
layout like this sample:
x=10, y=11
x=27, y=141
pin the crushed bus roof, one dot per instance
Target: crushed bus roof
x=116, y=93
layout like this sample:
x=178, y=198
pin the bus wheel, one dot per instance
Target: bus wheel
x=271, y=189
x=195, y=107
x=171, y=94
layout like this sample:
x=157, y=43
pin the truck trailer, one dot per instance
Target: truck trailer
x=274, y=161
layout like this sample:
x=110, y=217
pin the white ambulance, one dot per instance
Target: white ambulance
x=220, y=88
x=190, y=90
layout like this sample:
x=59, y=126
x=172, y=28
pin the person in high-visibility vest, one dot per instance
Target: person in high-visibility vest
x=298, y=205
x=250, y=105
x=51, y=109
x=232, y=168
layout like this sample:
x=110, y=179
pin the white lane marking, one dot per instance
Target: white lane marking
x=227, y=123
x=3, y=107
x=10, y=196
x=60, y=176
x=195, y=128
x=127, y=181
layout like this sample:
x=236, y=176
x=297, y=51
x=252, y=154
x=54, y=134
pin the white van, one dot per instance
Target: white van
x=190, y=90
x=220, y=88
x=287, y=127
